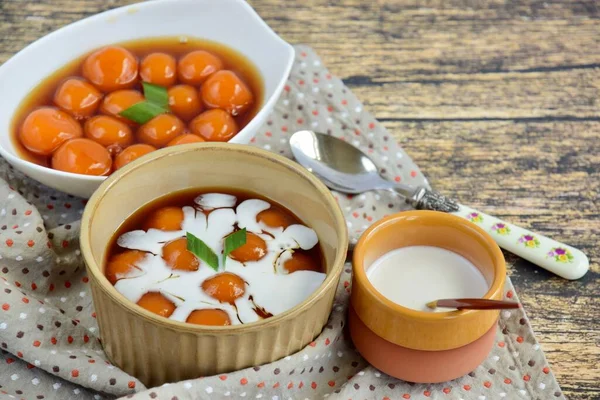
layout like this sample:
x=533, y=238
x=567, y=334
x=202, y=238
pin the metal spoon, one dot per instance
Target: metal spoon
x=345, y=168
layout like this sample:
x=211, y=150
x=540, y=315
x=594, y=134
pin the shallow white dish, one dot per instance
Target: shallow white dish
x=230, y=22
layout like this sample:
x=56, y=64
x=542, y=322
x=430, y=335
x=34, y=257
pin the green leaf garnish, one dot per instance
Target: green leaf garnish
x=233, y=241
x=142, y=112
x=156, y=95
x=202, y=251
x=156, y=103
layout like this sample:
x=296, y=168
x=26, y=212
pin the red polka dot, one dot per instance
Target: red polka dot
x=315, y=113
x=86, y=338
x=28, y=212
x=301, y=82
x=330, y=108
x=328, y=76
x=501, y=344
x=93, y=315
x=301, y=385
x=30, y=243
x=446, y=390
x=276, y=385
x=17, y=284
x=253, y=140
x=50, y=207
x=92, y=361
x=546, y=370
x=331, y=383
x=30, y=366
x=70, y=339
x=131, y=384
x=33, y=286
x=355, y=214
x=487, y=384
x=371, y=125
x=10, y=360
x=413, y=174
x=346, y=283
x=19, y=354
x=406, y=396
x=9, y=242
x=427, y=393
x=85, y=279
x=509, y=294
x=36, y=343
x=261, y=385
x=290, y=385
x=75, y=373
x=397, y=178
x=15, y=226
x=327, y=342
x=344, y=102
x=51, y=287
x=268, y=134
x=508, y=381
x=299, y=121
x=286, y=88
x=65, y=243
x=223, y=377
x=53, y=340
x=67, y=205
x=357, y=132
x=25, y=300
x=67, y=284
x=520, y=339
x=312, y=344
x=467, y=387
x=243, y=381
x=303, y=54
x=315, y=80
x=49, y=244
x=284, y=128
x=526, y=378
x=5, y=306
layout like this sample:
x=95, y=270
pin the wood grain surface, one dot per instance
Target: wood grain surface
x=496, y=101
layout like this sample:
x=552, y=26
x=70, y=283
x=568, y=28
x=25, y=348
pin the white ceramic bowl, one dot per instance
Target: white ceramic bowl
x=230, y=22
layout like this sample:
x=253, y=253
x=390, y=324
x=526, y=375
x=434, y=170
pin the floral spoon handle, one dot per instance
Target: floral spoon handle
x=559, y=258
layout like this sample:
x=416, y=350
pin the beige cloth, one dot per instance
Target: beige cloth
x=48, y=332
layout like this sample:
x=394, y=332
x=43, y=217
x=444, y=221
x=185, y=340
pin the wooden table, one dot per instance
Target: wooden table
x=497, y=103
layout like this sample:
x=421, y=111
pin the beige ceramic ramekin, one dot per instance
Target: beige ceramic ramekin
x=158, y=350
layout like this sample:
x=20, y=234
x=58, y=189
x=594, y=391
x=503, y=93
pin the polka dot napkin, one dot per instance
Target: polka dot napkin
x=49, y=346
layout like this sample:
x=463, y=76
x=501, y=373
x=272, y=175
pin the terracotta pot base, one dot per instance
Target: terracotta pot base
x=418, y=366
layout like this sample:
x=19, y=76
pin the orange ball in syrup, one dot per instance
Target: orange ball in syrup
x=225, y=90
x=225, y=287
x=158, y=69
x=274, y=218
x=157, y=303
x=194, y=67
x=209, y=316
x=108, y=131
x=178, y=257
x=184, y=101
x=300, y=262
x=122, y=264
x=82, y=156
x=254, y=249
x=46, y=128
x=160, y=130
x=214, y=125
x=111, y=68
x=165, y=219
x=131, y=153
x=78, y=97
x=120, y=100
x=185, y=139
